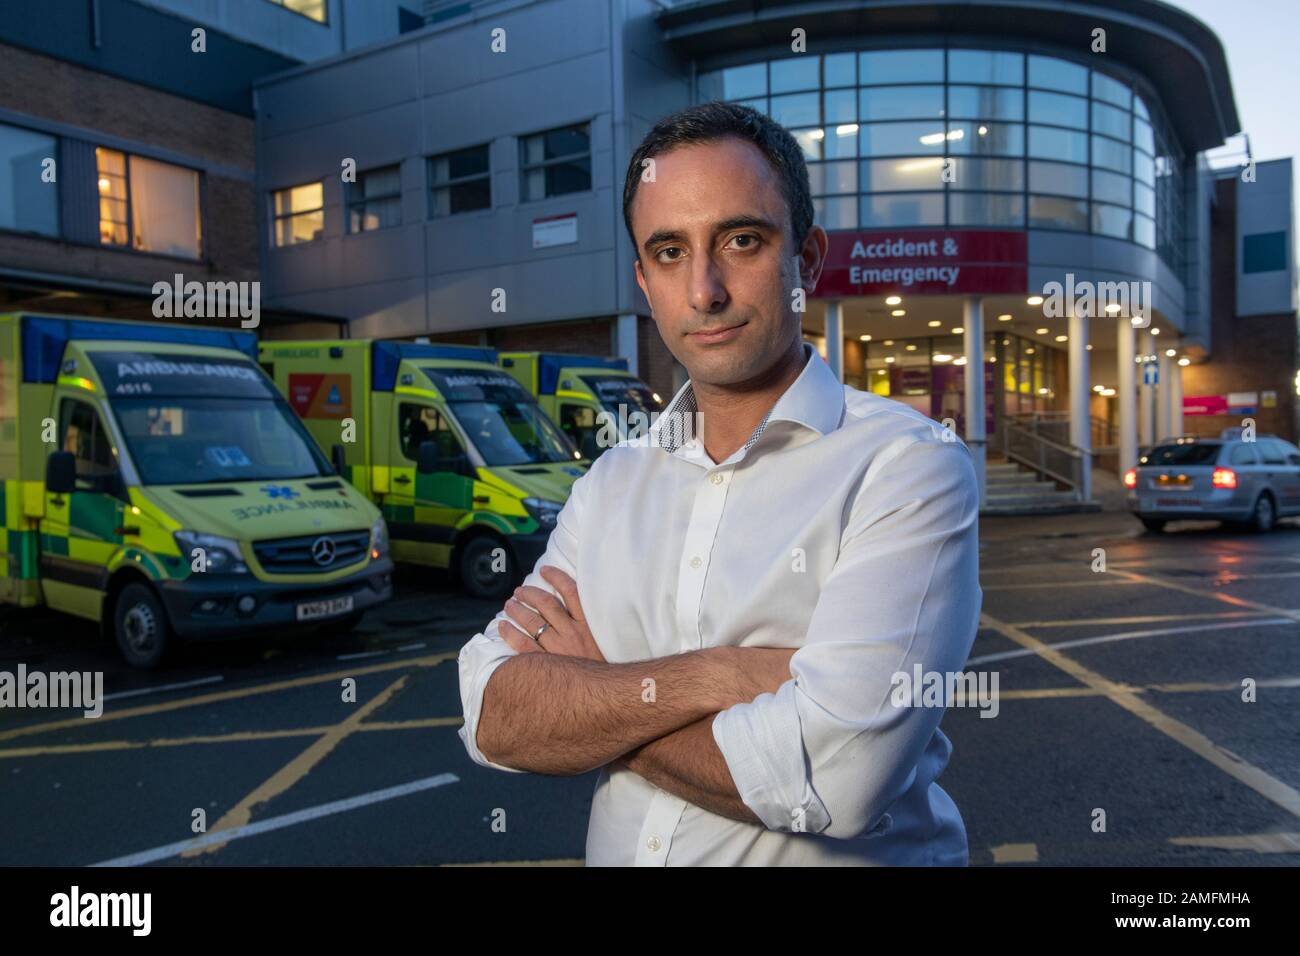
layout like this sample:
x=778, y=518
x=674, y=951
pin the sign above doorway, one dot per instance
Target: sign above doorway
x=924, y=262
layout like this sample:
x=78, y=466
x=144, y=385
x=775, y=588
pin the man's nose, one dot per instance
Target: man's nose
x=708, y=291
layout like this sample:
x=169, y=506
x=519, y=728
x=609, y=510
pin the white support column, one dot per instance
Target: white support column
x=835, y=337
x=1126, y=392
x=1175, y=397
x=1080, y=390
x=625, y=341
x=1164, y=421
x=1146, y=395
x=973, y=348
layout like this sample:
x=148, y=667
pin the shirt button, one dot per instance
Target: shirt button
x=696, y=562
x=653, y=844
x=716, y=478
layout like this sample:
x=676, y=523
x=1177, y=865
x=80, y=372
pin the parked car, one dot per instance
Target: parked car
x=1225, y=479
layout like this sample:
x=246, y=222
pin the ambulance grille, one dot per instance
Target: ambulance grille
x=297, y=555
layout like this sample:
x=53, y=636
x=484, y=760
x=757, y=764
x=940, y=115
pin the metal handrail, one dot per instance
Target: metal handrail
x=1037, y=458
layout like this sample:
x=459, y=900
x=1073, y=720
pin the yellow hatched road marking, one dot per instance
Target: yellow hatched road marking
x=241, y=814
x=429, y=660
x=233, y=738
x=1267, y=786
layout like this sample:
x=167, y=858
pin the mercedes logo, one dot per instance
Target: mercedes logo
x=322, y=551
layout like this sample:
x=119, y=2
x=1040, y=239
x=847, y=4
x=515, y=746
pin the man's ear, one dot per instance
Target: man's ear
x=812, y=257
x=640, y=280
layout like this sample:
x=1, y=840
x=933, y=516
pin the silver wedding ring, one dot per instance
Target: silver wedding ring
x=538, y=635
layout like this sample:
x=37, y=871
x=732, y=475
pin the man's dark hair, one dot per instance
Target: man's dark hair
x=709, y=122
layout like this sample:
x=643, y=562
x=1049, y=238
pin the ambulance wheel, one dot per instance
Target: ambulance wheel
x=480, y=569
x=140, y=626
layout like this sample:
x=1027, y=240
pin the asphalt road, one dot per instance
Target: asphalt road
x=1120, y=700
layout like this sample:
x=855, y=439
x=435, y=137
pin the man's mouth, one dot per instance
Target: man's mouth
x=713, y=335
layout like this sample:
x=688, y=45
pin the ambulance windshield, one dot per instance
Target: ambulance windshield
x=504, y=422
x=199, y=419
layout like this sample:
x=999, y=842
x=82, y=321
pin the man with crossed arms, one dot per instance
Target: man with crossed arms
x=724, y=602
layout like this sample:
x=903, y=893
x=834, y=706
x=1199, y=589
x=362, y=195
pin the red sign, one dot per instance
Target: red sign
x=321, y=395
x=924, y=261
x=1205, y=405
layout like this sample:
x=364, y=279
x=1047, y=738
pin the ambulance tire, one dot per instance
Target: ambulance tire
x=474, y=566
x=140, y=626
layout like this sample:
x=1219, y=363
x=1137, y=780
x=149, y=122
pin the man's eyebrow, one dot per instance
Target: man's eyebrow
x=735, y=222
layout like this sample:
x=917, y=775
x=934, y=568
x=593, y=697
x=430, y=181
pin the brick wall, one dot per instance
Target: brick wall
x=54, y=90
x=51, y=89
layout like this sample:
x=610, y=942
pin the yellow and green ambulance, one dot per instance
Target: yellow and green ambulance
x=468, y=470
x=594, y=399
x=153, y=480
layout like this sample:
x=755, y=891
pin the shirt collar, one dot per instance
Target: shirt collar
x=815, y=400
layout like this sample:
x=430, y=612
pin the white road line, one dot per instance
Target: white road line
x=278, y=823
x=360, y=654
x=411, y=647
x=1098, y=580
x=1127, y=636
x=215, y=679
x=1142, y=619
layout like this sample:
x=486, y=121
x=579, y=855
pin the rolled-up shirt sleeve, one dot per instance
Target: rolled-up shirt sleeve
x=830, y=750
x=487, y=650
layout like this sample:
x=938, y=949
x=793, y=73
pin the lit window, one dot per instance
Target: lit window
x=299, y=214
x=317, y=10
x=147, y=205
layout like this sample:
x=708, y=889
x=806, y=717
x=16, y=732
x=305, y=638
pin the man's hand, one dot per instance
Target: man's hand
x=566, y=632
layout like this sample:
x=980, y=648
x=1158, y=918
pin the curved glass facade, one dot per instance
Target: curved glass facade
x=971, y=137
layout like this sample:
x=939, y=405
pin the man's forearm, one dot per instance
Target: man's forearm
x=688, y=764
x=553, y=714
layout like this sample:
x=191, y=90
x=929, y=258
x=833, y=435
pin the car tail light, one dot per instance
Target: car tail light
x=1224, y=478
x=1131, y=478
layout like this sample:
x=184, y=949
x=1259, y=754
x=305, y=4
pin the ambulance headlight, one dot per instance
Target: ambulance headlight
x=544, y=512
x=208, y=553
x=378, y=540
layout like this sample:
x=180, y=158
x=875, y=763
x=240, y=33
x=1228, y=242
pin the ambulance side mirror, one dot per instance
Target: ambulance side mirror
x=338, y=459
x=61, y=473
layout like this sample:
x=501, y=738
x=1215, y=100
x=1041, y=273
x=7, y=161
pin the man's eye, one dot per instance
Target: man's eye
x=749, y=239
x=663, y=252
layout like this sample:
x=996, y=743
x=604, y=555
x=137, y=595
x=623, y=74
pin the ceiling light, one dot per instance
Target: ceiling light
x=898, y=312
x=1035, y=300
x=1006, y=317
x=958, y=330
x=894, y=300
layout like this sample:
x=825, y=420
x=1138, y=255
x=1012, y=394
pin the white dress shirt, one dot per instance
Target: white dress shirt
x=846, y=527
